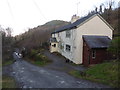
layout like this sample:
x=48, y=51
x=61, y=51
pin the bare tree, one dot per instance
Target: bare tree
x=96, y=9
x=9, y=31
x=100, y=9
x=111, y=4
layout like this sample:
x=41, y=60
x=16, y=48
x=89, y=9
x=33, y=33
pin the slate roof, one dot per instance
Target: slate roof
x=97, y=41
x=53, y=40
x=73, y=25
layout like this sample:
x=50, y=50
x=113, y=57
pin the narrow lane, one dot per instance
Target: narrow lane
x=31, y=76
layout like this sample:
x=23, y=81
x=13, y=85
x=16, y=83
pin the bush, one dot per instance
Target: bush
x=33, y=53
x=38, y=57
x=115, y=47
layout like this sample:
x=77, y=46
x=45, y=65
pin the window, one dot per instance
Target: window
x=68, y=33
x=68, y=48
x=93, y=54
x=54, y=45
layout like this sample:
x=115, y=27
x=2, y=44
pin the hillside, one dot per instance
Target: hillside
x=38, y=35
x=54, y=22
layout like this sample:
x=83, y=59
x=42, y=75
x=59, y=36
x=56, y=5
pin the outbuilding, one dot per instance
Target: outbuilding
x=95, y=49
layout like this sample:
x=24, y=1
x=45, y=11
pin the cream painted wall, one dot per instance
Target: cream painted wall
x=54, y=49
x=95, y=26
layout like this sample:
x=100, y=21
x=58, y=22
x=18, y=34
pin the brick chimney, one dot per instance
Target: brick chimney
x=74, y=18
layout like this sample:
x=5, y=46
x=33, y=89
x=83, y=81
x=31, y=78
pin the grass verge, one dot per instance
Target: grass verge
x=8, y=82
x=7, y=62
x=37, y=57
x=106, y=73
x=39, y=62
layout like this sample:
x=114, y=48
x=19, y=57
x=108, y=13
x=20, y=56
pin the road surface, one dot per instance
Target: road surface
x=31, y=76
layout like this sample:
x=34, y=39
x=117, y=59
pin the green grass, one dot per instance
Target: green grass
x=37, y=57
x=41, y=63
x=40, y=60
x=7, y=62
x=106, y=73
x=8, y=82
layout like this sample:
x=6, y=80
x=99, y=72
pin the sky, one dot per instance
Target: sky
x=20, y=15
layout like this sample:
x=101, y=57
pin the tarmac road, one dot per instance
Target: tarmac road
x=31, y=76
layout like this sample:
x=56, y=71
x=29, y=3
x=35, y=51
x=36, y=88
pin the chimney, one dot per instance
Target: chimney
x=74, y=18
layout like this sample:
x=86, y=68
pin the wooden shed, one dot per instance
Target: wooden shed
x=95, y=49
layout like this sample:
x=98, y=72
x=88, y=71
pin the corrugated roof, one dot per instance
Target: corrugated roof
x=97, y=41
x=73, y=25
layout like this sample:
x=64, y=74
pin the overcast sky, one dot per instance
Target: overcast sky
x=23, y=14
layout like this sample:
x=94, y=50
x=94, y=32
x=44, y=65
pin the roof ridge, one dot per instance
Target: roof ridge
x=75, y=24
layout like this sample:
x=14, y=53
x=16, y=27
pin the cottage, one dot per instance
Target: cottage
x=69, y=39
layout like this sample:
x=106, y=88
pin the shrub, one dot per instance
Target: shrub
x=115, y=47
x=38, y=57
x=33, y=53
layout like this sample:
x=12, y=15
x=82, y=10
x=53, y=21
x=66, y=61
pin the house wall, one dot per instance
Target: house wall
x=94, y=26
x=69, y=41
x=53, y=49
x=100, y=56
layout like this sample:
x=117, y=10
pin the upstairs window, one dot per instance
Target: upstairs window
x=68, y=33
x=93, y=54
x=68, y=48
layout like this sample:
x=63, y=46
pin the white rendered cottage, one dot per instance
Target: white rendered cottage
x=68, y=40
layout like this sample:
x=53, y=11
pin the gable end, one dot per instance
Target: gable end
x=105, y=22
x=100, y=18
x=86, y=21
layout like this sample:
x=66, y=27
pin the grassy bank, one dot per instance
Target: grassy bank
x=37, y=57
x=106, y=73
x=8, y=82
x=38, y=62
x=8, y=62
